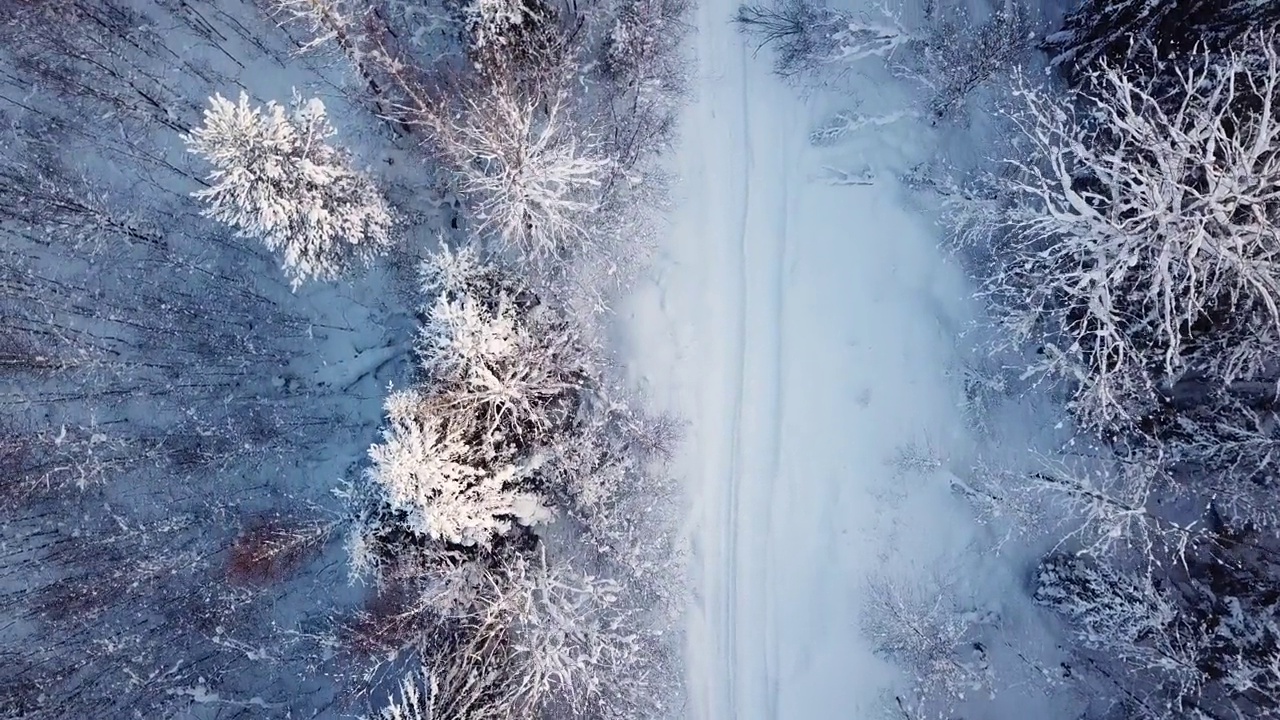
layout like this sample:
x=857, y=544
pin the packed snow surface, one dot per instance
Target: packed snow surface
x=804, y=321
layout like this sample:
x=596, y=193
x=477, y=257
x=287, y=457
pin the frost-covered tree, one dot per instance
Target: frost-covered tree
x=503, y=379
x=1108, y=609
x=540, y=636
x=530, y=171
x=1221, y=445
x=278, y=179
x=645, y=76
x=1117, y=30
x=1102, y=505
x=445, y=481
x=610, y=475
x=922, y=625
x=642, y=47
x=572, y=639
x=489, y=343
x=1136, y=239
x=494, y=28
x=1203, y=645
x=809, y=38
x=956, y=55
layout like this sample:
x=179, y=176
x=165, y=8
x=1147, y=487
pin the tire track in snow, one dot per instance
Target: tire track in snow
x=758, y=430
x=737, y=236
x=732, y=481
x=774, y=468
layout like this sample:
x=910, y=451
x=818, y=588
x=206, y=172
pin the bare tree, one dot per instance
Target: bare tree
x=542, y=636
x=532, y=173
x=1115, y=31
x=1106, y=505
x=922, y=626
x=1138, y=237
x=954, y=56
x=809, y=38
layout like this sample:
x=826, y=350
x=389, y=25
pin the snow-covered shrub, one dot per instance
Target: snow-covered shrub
x=1125, y=616
x=1243, y=650
x=278, y=179
x=541, y=635
x=531, y=173
x=472, y=685
x=487, y=342
x=809, y=38
x=921, y=625
x=1108, y=609
x=325, y=20
x=1136, y=242
x=955, y=56
x=448, y=483
x=1209, y=641
x=847, y=122
x=1112, y=30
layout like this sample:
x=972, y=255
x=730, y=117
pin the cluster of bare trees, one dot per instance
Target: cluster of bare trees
x=1117, y=31
x=1129, y=241
x=514, y=521
x=951, y=54
x=170, y=407
x=177, y=411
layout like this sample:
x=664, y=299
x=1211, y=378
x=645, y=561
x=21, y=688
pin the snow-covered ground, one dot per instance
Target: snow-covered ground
x=810, y=333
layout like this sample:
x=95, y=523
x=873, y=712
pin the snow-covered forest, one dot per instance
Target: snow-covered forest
x=310, y=409
x=505, y=359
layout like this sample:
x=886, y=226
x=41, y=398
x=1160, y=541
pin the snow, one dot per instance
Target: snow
x=810, y=331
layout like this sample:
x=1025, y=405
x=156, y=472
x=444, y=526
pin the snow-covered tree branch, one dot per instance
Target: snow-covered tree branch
x=920, y=623
x=809, y=38
x=503, y=379
x=448, y=485
x=953, y=57
x=536, y=635
x=1139, y=238
x=531, y=172
x=1207, y=645
x=490, y=343
x=1116, y=30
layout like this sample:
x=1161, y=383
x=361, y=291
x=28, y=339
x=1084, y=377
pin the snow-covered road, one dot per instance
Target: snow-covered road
x=806, y=331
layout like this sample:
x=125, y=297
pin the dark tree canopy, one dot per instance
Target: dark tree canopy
x=1113, y=30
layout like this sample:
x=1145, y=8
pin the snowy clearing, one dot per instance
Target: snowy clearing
x=809, y=329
